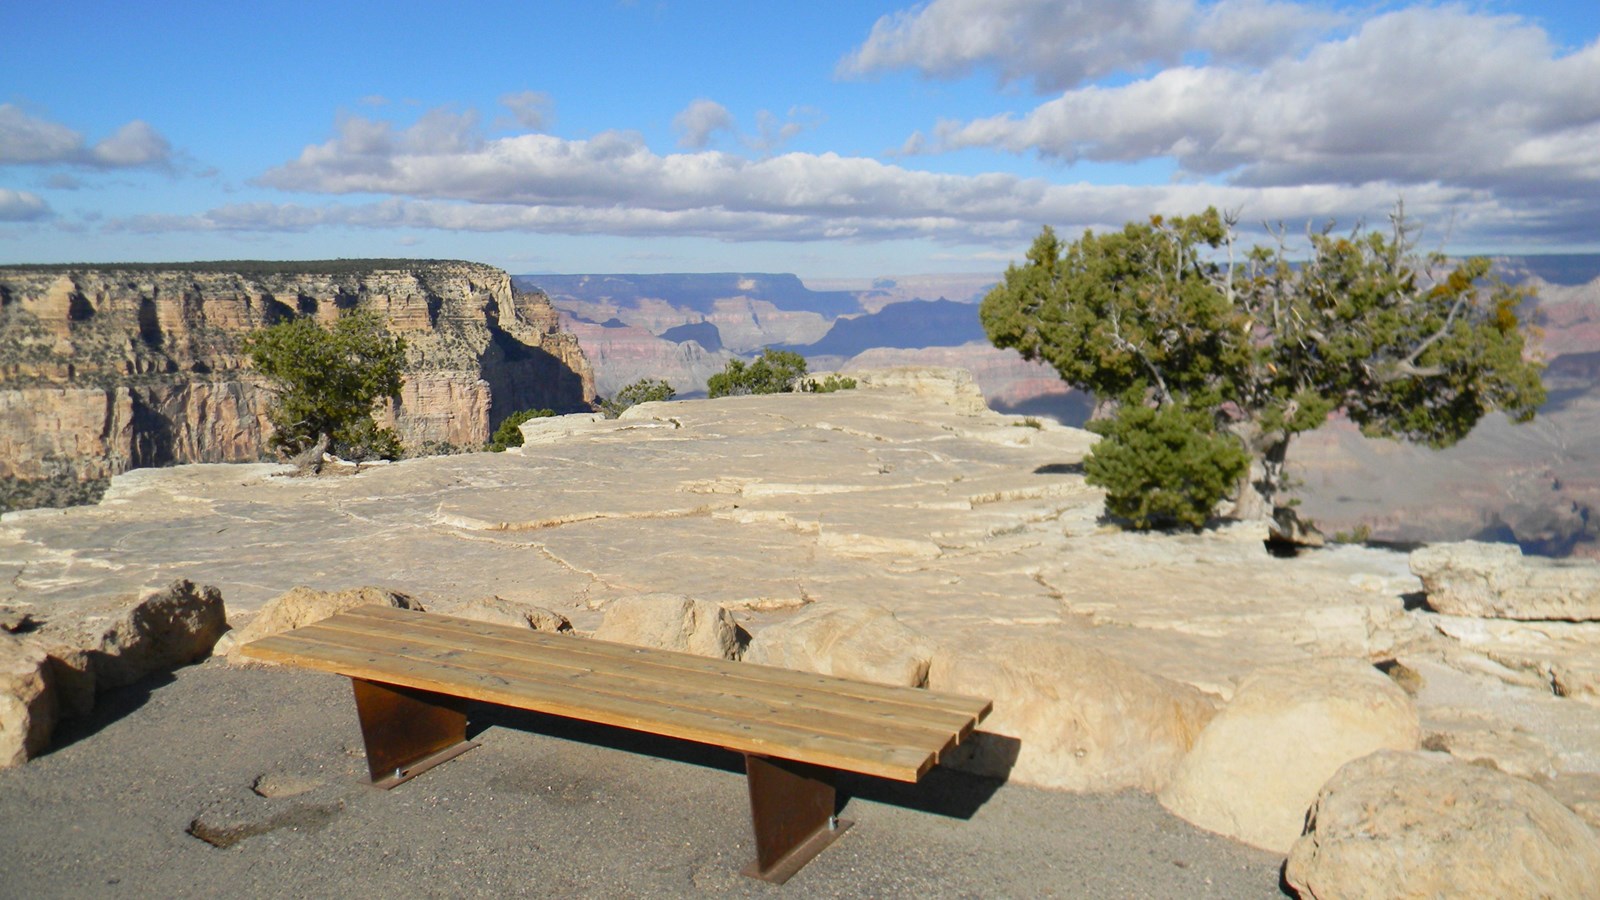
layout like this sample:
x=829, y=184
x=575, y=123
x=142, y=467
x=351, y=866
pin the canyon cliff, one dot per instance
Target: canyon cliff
x=120, y=366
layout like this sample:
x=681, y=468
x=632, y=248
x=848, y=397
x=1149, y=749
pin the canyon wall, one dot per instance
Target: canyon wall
x=107, y=368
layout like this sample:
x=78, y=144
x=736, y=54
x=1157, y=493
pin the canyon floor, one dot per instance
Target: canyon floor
x=973, y=528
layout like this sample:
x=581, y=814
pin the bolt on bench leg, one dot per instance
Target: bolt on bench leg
x=791, y=805
x=407, y=731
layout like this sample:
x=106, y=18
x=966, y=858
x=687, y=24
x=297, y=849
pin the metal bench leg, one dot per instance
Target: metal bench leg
x=407, y=731
x=791, y=805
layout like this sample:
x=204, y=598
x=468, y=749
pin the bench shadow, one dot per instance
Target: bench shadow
x=943, y=791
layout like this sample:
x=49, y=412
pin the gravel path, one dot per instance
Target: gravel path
x=542, y=808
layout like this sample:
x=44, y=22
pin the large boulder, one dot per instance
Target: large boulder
x=27, y=702
x=1068, y=716
x=166, y=628
x=1396, y=824
x=303, y=605
x=123, y=639
x=500, y=611
x=1256, y=768
x=672, y=622
x=863, y=642
x=1472, y=578
x=54, y=668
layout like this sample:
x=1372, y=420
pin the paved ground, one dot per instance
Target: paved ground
x=540, y=809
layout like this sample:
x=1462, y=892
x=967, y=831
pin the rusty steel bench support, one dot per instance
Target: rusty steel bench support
x=408, y=731
x=791, y=806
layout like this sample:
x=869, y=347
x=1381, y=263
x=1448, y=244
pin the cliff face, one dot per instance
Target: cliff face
x=104, y=369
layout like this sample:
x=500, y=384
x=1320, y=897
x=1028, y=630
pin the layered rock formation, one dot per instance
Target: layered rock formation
x=104, y=369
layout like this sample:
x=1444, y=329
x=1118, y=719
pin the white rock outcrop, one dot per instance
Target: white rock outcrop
x=862, y=642
x=1396, y=824
x=1068, y=716
x=672, y=622
x=1473, y=578
x=1257, y=767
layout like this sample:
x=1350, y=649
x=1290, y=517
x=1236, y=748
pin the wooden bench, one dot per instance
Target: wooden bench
x=412, y=671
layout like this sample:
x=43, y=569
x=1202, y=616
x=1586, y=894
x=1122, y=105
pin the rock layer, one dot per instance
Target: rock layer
x=105, y=369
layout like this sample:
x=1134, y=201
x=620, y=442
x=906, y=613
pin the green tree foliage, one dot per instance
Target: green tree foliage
x=1163, y=466
x=509, y=434
x=328, y=383
x=773, y=372
x=645, y=390
x=1170, y=312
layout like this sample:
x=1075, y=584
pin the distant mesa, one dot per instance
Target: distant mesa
x=703, y=333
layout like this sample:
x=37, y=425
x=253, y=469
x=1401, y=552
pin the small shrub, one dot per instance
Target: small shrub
x=1163, y=467
x=645, y=390
x=509, y=434
x=1029, y=422
x=828, y=385
x=773, y=372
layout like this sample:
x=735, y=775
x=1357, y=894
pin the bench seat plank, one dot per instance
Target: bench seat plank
x=684, y=674
x=754, y=677
x=538, y=683
x=533, y=674
x=497, y=667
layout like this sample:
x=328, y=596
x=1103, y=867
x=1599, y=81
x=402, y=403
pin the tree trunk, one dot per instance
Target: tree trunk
x=1260, y=491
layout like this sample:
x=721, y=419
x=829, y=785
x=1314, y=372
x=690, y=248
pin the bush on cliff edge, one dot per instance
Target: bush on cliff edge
x=328, y=382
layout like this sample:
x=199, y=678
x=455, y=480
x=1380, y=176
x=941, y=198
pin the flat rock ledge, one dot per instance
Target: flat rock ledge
x=1496, y=581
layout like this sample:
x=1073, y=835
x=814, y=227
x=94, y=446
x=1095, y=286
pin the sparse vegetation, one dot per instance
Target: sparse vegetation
x=328, y=383
x=1357, y=535
x=773, y=372
x=1259, y=347
x=645, y=390
x=509, y=434
x=829, y=384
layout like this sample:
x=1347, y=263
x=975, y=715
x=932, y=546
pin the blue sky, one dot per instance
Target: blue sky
x=830, y=139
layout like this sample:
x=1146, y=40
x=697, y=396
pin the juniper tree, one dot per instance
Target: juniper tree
x=1171, y=312
x=328, y=382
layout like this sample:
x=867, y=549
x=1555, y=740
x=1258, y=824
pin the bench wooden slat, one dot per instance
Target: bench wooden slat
x=655, y=667
x=749, y=675
x=895, y=763
x=534, y=676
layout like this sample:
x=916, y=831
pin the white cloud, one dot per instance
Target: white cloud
x=531, y=109
x=1418, y=96
x=22, y=206
x=26, y=139
x=615, y=184
x=699, y=120
x=134, y=144
x=1063, y=43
